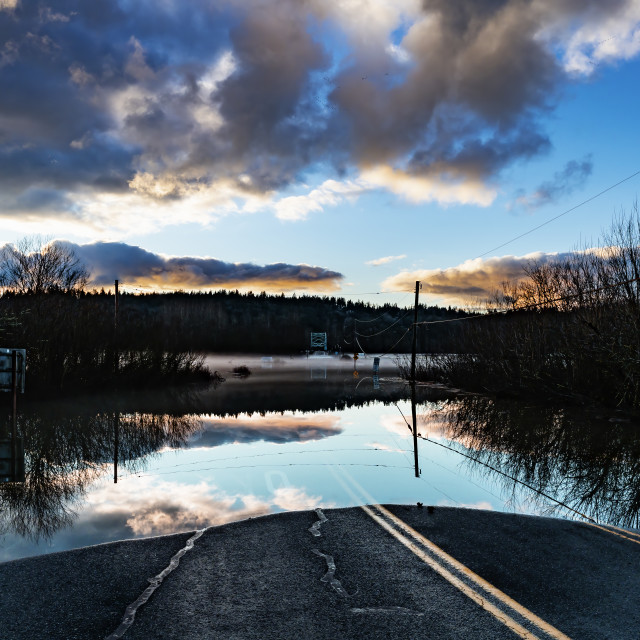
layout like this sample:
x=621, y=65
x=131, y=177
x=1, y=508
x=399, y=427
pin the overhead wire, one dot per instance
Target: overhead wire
x=534, y=304
x=506, y=475
x=560, y=215
x=513, y=478
x=274, y=466
x=390, y=350
x=377, y=333
x=253, y=456
x=383, y=314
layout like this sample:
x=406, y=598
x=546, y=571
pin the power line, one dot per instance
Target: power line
x=304, y=452
x=371, y=335
x=385, y=313
x=564, y=213
x=371, y=293
x=506, y=475
x=513, y=478
x=273, y=466
x=536, y=304
x=390, y=350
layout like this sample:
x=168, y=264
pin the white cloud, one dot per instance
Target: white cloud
x=294, y=499
x=328, y=194
x=382, y=18
x=380, y=261
x=604, y=39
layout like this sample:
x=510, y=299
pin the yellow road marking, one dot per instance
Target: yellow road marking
x=494, y=591
x=615, y=533
x=456, y=582
x=445, y=573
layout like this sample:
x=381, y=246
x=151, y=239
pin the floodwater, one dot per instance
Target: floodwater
x=299, y=434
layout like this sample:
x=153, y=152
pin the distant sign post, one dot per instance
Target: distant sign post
x=7, y=369
x=12, y=374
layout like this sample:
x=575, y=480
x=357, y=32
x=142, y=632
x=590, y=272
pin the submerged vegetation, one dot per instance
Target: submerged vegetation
x=577, y=461
x=570, y=328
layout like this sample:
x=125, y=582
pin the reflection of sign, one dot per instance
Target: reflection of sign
x=5, y=461
x=5, y=369
x=355, y=374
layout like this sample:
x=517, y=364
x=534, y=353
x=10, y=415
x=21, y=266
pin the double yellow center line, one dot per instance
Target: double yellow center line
x=509, y=612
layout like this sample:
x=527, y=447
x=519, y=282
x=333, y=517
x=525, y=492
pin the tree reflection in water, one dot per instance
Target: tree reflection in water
x=587, y=461
x=64, y=453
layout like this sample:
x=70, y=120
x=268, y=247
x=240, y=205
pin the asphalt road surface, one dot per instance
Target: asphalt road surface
x=371, y=572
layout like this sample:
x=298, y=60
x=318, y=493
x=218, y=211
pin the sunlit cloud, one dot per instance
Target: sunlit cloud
x=158, y=507
x=472, y=281
x=280, y=429
x=424, y=188
x=433, y=424
x=295, y=499
x=381, y=446
x=395, y=425
x=108, y=261
x=386, y=260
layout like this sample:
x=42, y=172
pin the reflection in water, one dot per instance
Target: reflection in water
x=274, y=428
x=590, y=463
x=64, y=454
x=70, y=445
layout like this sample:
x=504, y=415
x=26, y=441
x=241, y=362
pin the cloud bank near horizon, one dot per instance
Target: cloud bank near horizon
x=472, y=282
x=137, y=267
x=107, y=114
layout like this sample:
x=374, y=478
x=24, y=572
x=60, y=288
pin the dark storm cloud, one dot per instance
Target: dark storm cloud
x=108, y=261
x=94, y=94
x=572, y=177
x=59, y=68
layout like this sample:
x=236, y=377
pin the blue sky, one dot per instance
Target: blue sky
x=341, y=148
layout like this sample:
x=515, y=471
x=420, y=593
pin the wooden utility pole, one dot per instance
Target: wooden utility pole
x=14, y=413
x=116, y=444
x=116, y=356
x=415, y=334
x=413, y=381
x=115, y=310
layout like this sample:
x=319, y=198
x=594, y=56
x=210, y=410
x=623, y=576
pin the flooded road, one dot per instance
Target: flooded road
x=274, y=441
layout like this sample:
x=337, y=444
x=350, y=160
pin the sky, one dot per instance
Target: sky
x=342, y=148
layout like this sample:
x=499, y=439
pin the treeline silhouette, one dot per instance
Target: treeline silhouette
x=569, y=328
x=72, y=340
x=230, y=321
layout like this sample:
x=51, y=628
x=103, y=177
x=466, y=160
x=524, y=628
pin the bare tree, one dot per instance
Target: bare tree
x=37, y=265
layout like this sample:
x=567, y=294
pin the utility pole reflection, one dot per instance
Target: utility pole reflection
x=415, y=428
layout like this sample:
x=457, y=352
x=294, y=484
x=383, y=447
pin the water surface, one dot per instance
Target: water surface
x=297, y=434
